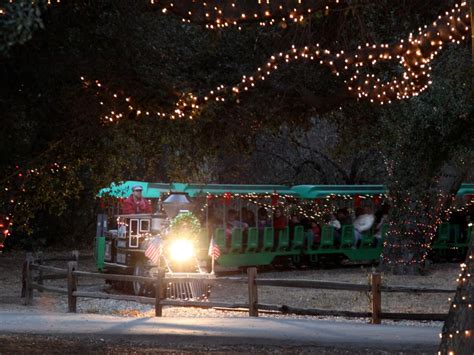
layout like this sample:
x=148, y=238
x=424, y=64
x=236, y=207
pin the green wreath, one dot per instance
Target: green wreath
x=185, y=223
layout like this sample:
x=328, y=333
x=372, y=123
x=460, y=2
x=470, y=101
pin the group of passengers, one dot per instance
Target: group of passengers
x=246, y=219
x=364, y=221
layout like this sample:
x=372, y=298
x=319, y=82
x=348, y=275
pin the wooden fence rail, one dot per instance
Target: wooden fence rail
x=160, y=282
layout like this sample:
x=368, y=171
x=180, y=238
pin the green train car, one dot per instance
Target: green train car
x=253, y=246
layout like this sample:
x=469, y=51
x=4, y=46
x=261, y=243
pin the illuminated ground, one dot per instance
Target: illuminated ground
x=240, y=334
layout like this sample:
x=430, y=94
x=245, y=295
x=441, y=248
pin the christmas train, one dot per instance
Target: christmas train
x=251, y=225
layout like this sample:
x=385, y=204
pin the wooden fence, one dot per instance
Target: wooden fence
x=72, y=274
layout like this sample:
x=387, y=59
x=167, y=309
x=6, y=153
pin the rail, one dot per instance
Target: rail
x=253, y=307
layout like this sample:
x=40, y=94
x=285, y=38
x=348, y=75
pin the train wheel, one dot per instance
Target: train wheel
x=138, y=270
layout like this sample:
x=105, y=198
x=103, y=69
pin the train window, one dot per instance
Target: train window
x=144, y=225
x=134, y=227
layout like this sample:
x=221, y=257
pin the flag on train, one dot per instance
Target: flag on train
x=214, y=250
x=154, y=250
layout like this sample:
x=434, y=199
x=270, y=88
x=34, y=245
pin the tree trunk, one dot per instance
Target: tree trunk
x=419, y=203
x=458, y=330
x=412, y=228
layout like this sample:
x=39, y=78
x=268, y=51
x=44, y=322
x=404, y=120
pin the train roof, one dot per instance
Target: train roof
x=155, y=190
x=321, y=191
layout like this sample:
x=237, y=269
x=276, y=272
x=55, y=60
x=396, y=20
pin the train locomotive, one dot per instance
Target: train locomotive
x=144, y=244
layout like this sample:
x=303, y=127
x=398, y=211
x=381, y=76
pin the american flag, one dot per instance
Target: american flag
x=154, y=250
x=214, y=250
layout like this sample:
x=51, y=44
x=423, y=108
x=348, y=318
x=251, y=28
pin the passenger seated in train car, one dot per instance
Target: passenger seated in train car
x=339, y=219
x=249, y=218
x=244, y=215
x=279, y=219
x=294, y=221
x=135, y=203
x=316, y=229
x=363, y=222
x=380, y=219
x=279, y=223
x=343, y=216
x=336, y=224
x=233, y=220
x=263, y=220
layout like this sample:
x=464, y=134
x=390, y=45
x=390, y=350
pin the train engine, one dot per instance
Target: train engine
x=144, y=244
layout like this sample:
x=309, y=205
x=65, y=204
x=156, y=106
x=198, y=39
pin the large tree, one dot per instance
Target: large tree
x=136, y=51
x=427, y=152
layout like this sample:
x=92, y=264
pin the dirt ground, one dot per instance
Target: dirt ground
x=441, y=275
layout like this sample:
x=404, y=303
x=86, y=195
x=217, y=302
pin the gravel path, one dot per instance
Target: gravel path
x=441, y=275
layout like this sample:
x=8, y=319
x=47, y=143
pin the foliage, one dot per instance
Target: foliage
x=185, y=223
x=48, y=116
x=424, y=135
x=298, y=156
x=18, y=22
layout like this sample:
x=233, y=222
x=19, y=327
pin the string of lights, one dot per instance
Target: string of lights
x=185, y=107
x=15, y=188
x=418, y=229
x=461, y=303
x=215, y=14
x=413, y=54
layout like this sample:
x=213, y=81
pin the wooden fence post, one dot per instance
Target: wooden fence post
x=75, y=255
x=376, y=298
x=71, y=286
x=253, y=294
x=160, y=289
x=40, y=261
x=28, y=279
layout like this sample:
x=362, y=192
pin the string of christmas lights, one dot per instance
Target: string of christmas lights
x=215, y=14
x=14, y=190
x=419, y=230
x=185, y=107
x=413, y=54
x=463, y=303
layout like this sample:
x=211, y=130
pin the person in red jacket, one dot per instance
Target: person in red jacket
x=279, y=219
x=135, y=203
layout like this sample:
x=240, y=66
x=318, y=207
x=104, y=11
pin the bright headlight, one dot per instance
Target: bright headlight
x=181, y=250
